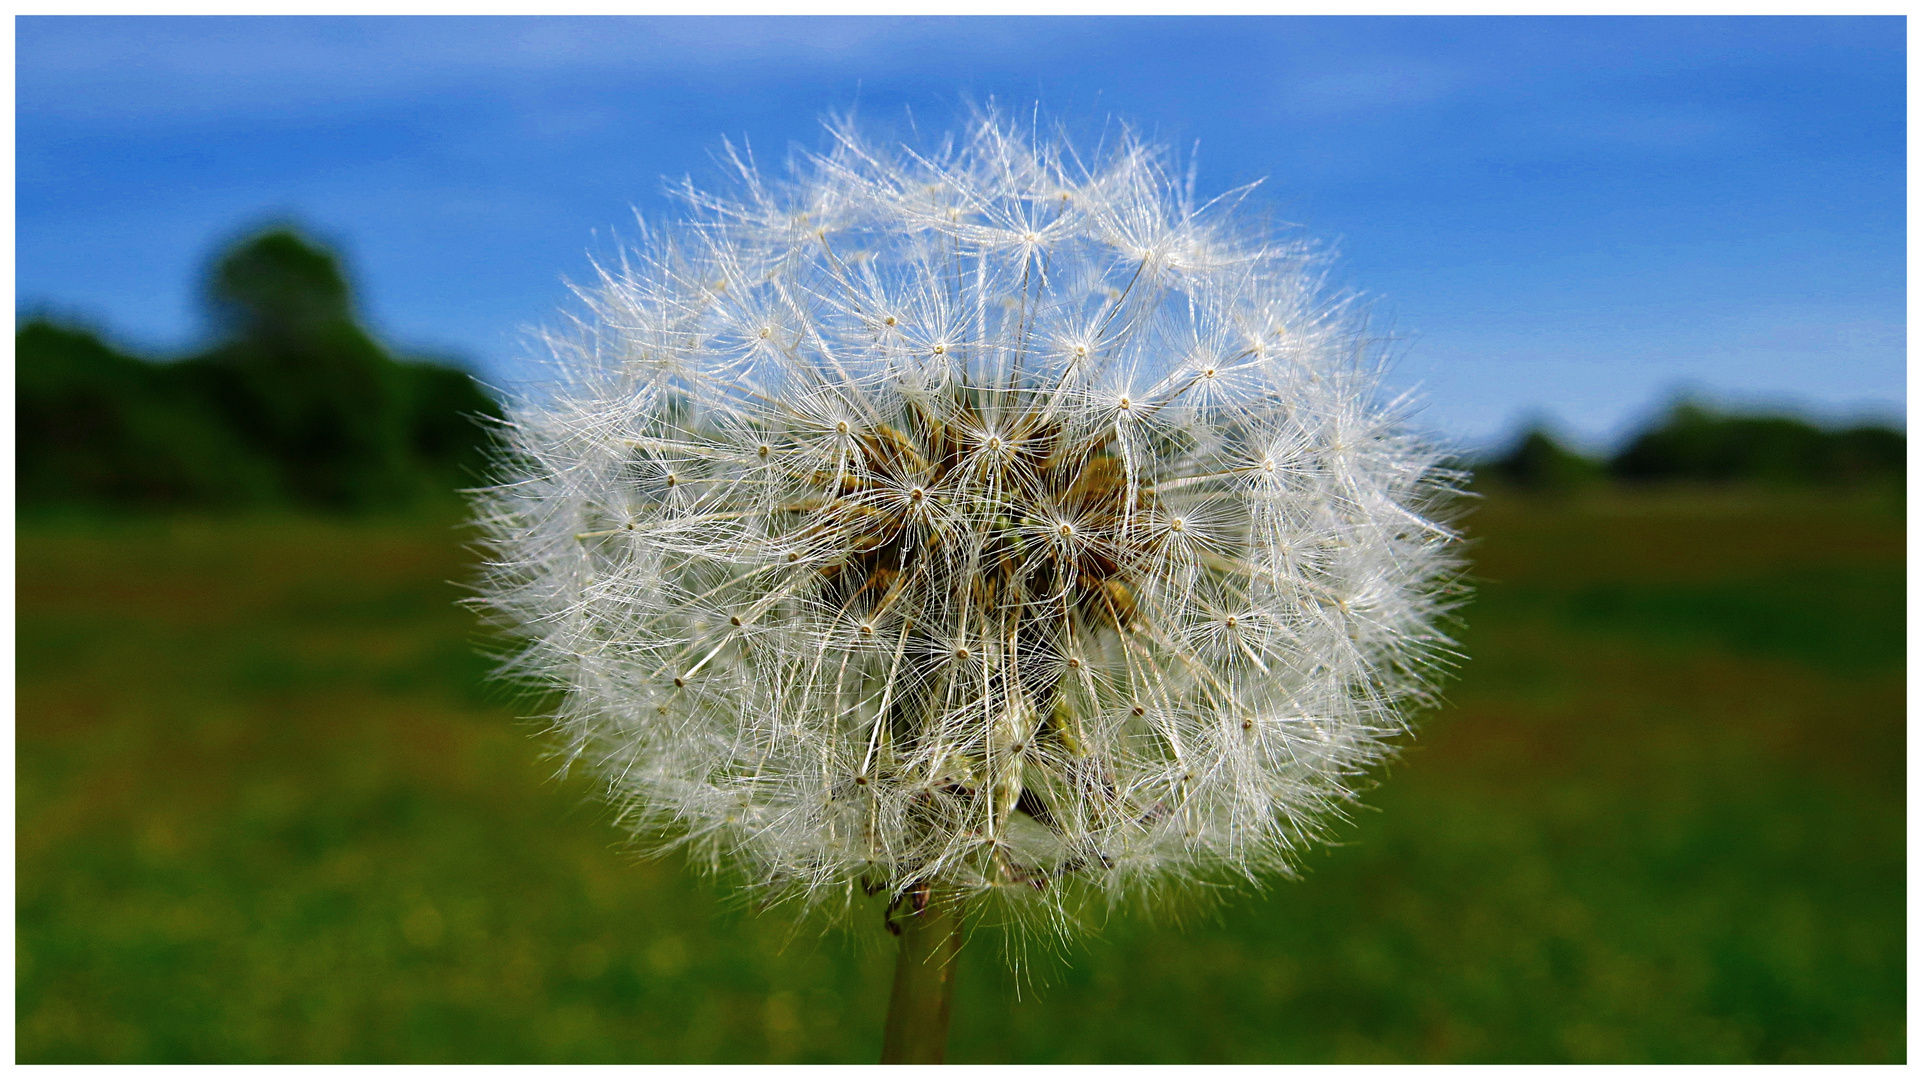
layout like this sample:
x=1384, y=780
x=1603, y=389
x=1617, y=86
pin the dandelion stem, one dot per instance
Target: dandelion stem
x=917, y=1030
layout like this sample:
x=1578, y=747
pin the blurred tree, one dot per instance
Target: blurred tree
x=1695, y=442
x=299, y=379
x=278, y=287
x=94, y=424
x=1538, y=462
x=448, y=427
x=1867, y=451
x=297, y=402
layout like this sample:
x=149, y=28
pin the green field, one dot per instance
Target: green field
x=269, y=809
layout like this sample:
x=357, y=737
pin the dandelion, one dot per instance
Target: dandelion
x=985, y=526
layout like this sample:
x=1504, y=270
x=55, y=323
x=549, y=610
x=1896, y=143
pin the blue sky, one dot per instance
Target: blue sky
x=1559, y=217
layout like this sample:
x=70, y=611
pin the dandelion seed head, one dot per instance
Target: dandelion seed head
x=989, y=517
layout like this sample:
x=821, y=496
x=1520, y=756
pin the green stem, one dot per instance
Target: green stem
x=917, y=1031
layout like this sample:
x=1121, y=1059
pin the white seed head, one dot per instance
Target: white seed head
x=952, y=605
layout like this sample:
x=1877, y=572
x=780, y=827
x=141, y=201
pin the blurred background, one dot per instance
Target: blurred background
x=274, y=274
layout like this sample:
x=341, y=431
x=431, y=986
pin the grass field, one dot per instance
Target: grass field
x=270, y=810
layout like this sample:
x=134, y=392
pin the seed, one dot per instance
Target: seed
x=764, y=450
x=917, y=494
x=679, y=681
x=1066, y=529
x=1177, y=525
x=1232, y=622
x=672, y=479
x=1074, y=662
x=1138, y=710
x=734, y=620
x=861, y=780
x=889, y=320
x=961, y=653
x=841, y=426
x=867, y=629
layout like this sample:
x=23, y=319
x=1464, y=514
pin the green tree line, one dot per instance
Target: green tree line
x=296, y=403
x=1697, y=443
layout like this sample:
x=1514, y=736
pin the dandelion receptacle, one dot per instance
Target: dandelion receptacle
x=985, y=525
